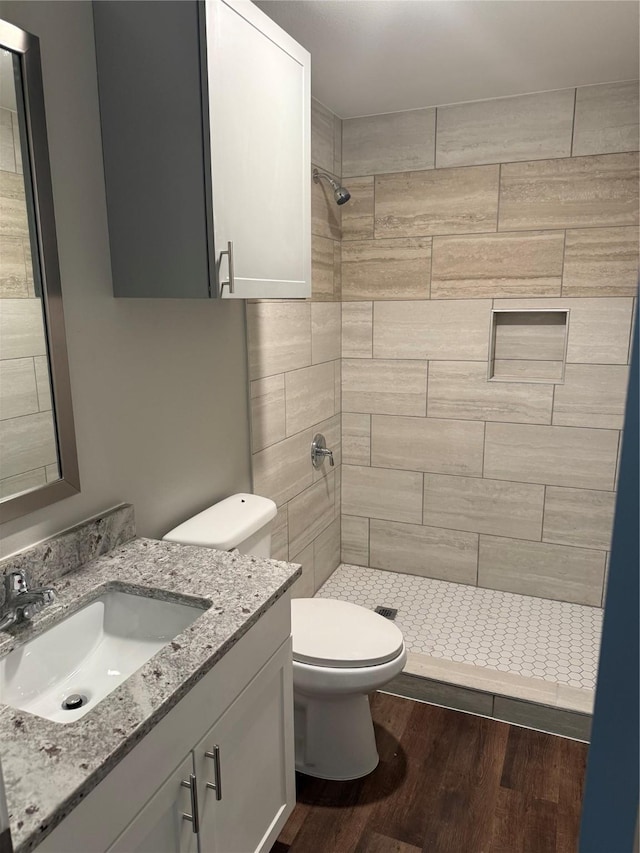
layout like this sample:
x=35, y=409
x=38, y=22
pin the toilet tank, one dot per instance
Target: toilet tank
x=242, y=521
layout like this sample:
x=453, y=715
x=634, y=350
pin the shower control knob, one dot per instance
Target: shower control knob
x=319, y=451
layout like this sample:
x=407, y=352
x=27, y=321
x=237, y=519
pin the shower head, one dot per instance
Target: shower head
x=341, y=194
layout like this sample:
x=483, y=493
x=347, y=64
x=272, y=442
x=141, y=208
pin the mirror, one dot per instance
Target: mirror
x=38, y=460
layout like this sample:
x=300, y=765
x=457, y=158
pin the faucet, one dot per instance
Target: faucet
x=20, y=602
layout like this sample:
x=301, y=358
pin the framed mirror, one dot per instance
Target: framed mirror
x=38, y=460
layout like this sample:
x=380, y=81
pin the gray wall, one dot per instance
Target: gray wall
x=159, y=386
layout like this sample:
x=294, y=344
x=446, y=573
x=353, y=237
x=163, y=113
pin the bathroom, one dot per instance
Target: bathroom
x=446, y=478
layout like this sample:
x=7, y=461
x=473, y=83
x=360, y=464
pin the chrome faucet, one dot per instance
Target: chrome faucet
x=20, y=602
x=320, y=452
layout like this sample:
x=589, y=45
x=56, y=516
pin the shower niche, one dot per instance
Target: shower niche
x=528, y=346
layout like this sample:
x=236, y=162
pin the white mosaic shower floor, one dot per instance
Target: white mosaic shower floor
x=518, y=634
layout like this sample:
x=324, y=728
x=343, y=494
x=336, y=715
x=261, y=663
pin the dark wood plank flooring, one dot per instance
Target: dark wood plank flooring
x=447, y=782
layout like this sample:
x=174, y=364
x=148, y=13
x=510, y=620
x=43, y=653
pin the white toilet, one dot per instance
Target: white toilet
x=341, y=651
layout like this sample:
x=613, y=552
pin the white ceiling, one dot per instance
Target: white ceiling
x=378, y=56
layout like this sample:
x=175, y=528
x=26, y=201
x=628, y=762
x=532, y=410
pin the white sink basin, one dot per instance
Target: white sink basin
x=89, y=653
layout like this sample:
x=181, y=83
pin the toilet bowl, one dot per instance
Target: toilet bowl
x=341, y=651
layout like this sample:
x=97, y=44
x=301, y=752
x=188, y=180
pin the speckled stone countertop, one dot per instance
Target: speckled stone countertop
x=49, y=767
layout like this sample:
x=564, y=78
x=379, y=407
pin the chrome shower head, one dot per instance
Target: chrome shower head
x=341, y=194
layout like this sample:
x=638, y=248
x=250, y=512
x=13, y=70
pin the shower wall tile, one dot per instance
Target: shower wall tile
x=497, y=265
x=267, y=411
x=18, y=393
x=433, y=329
x=279, y=335
x=606, y=118
x=13, y=210
x=427, y=444
x=280, y=535
x=524, y=369
x=535, y=568
x=322, y=268
x=283, y=470
x=337, y=384
x=325, y=331
x=484, y=506
x=21, y=328
x=326, y=553
x=357, y=215
x=13, y=272
x=569, y=193
x=305, y=586
x=601, y=262
x=43, y=383
x=337, y=145
x=325, y=213
x=357, y=330
x=309, y=396
x=427, y=551
x=386, y=269
x=355, y=540
x=440, y=201
x=552, y=455
x=382, y=387
x=593, y=395
x=525, y=127
x=382, y=493
x=322, y=137
x=311, y=512
x=7, y=150
x=578, y=517
x=393, y=142
x=22, y=482
x=356, y=439
x=460, y=389
x=27, y=443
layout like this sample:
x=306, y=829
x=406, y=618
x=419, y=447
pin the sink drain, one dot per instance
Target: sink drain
x=73, y=702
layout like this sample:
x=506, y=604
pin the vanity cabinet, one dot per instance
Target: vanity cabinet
x=205, y=116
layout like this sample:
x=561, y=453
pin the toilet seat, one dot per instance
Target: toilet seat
x=337, y=634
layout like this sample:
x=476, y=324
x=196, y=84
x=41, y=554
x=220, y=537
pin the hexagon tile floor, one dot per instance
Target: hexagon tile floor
x=531, y=637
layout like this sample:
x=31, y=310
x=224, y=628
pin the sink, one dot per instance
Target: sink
x=64, y=672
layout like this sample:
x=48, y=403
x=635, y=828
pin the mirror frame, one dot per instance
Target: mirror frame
x=40, y=201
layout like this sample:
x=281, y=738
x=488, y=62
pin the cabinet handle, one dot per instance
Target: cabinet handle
x=193, y=791
x=216, y=785
x=231, y=283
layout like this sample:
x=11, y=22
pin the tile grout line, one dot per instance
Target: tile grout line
x=573, y=122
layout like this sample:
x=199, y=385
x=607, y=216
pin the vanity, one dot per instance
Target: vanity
x=194, y=750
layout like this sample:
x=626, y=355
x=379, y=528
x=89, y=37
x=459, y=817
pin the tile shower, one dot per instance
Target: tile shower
x=461, y=464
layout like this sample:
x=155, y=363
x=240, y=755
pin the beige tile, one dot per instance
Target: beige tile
x=554, y=720
x=322, y=268
x=280, y=535
x=7, y=152
x=575, y=699
x=13, y=273
x=310, y=513
x=525, y=127
x=434, y=329
x=530, y=335
x=16, y=142
x=382, y=387
x=26, y=443
x=322, y=136
x=601, y=262
x=332, y=431
x=440, y=693
x=535, y=568
x=309, y=396
x=338, y=506
x=325, y=332
x=427, y=444
x=606, y=118
x=357, y=329
x=267, y=411
x=52, y=472
x=13, y=209
x=386, y=269
x=392, y=142
x=459, y=389
x=21, y=328
x=22, y=482
x=356, y=439
x=337, y=145
x=279, y=337
x=326, y=553
x=426, y=551
x=18, y=394
x=283, y=470
x=527, y=369
x=325, y=213
x=593, y=395
x=497, y=265
x=578, y=517
x=337, y=270
x=357, y=214
x=382, y=493
x=337, y=379
x=355, y=540
x=569, y=193
x=553, y=455
x=305, y=586
x=484, y=506
x=441, y=201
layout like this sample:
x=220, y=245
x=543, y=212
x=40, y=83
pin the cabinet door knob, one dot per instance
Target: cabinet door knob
x=193, y=791
x=231, y=283
x=216, y=785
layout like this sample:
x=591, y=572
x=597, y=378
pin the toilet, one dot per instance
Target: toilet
x=341, y=651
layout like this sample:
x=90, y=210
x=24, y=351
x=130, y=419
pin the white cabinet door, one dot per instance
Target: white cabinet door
x=160, y=827
x=256, y=765
x=259, y=102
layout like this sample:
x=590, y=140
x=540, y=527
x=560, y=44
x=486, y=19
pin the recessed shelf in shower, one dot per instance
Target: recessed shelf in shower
x=528, y=345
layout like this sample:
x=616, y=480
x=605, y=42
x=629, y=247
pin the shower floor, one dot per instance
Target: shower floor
x=517, y=646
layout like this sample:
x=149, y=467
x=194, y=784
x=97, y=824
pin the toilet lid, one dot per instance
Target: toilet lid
x=327, y=632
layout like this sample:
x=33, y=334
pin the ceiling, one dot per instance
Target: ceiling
x=378, y=56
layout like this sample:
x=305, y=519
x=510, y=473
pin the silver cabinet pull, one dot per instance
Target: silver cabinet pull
x=193, y=791
x=231, y=283
x=216, y=785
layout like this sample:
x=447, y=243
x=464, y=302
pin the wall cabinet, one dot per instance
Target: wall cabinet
x=205, y=114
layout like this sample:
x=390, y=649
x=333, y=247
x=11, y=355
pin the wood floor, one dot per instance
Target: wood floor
x=447, y=782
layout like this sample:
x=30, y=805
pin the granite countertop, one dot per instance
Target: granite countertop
x=49, y=767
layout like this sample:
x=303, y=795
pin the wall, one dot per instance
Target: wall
x=521, y=203
x=159, y=386
x=294, y=368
